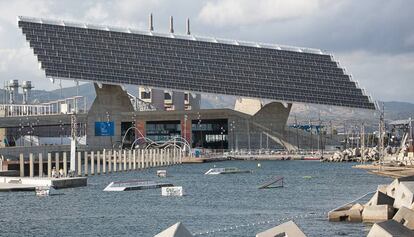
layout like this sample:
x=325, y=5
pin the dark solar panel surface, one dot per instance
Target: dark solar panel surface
x=154, y=61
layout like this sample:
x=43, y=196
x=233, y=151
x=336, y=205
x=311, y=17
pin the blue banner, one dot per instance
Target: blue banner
x=104, y=129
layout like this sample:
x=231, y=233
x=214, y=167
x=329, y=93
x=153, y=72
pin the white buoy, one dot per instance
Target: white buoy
x=259, y=165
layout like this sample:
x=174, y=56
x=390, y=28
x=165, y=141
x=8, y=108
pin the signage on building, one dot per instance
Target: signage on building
x=104, y=129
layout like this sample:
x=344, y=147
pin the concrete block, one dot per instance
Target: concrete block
x=376, y=213
x=404, y=194
x=390, y=228
x=405, y=216
x=382, y=188
x=380, y=198
x=345, y=214
x=176, y=230
x=284, y=230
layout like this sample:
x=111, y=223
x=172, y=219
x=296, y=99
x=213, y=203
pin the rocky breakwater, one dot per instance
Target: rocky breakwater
x=354, y=155
x=391, y=209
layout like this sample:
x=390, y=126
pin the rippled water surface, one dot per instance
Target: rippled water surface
x=212, y=202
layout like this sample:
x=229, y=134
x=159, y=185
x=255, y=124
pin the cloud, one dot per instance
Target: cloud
x=39, y=8
x=241, y=12
x=385, y=76
x=96, y=12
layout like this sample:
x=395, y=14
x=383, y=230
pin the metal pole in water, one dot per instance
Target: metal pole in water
x=21, y=165
x=98, y=162
x=104, y=161
x=40, y=165
x=31, y=170
x=49, y=165
x=79, y=163
x=92, y=162
x=57, y=161
x=134, y=155
x=65, y=164
x=86, y=163
x=129, y=160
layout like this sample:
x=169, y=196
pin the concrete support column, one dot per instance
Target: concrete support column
x=49, y=165
x=134, y=155
x=79, y=163
x=180, y=161
x=86, y=163
x=168, y=157
x=57, y=162
x=92, y=163
x=129, y=160
x=98, y=162
x=31, y=166
x=104, y=162
x=40, y=165
x=65, y=164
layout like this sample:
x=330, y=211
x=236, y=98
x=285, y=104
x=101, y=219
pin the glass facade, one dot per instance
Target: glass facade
x=210, y=133
x=193, y=65
x=162, y=130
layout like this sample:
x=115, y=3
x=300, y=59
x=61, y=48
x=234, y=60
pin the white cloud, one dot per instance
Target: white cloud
x=239, y=12
x=386, y=77
x=96, y=12
x=23, y=8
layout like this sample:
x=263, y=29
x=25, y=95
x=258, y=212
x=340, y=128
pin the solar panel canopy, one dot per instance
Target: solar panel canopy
x=190, y=63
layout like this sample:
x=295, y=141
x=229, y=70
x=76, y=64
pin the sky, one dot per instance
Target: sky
x=372, y=39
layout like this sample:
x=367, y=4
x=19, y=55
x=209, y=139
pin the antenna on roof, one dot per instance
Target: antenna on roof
x=151, y=23
x=171, y=25
x=188, y=26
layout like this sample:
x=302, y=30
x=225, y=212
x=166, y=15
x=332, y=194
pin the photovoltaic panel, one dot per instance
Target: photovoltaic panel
x=190, y=63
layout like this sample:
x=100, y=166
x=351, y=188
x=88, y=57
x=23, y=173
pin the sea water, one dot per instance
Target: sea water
x=229, y=205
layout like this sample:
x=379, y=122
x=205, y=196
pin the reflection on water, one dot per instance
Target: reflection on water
x=212, y=202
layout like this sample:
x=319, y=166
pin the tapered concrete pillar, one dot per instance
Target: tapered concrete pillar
x=86, y=165
x=180, y=158
x=40, y=165
x=79, y=163
x=49, y=165
x=92, y=163
x=115, y=158
x=134, y=159
x=98, y=162
x=57, y=162
x=104, y=162
x=31, y=166
x=129, y=160
x=65, y=164
x=168, y=157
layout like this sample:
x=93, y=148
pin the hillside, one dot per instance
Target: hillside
x=393, y=110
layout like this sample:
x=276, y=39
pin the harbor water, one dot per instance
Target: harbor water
x=229, y=205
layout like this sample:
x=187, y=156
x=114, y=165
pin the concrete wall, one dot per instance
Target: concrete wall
x=178, y=100
x=110, y=102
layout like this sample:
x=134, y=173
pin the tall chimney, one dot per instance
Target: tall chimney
x=188, y=26
x=171, y=25
x=150, y=23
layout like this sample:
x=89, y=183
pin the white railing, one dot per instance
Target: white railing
x=64, y=106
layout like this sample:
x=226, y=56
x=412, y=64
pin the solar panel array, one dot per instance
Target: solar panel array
x=107, y=56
